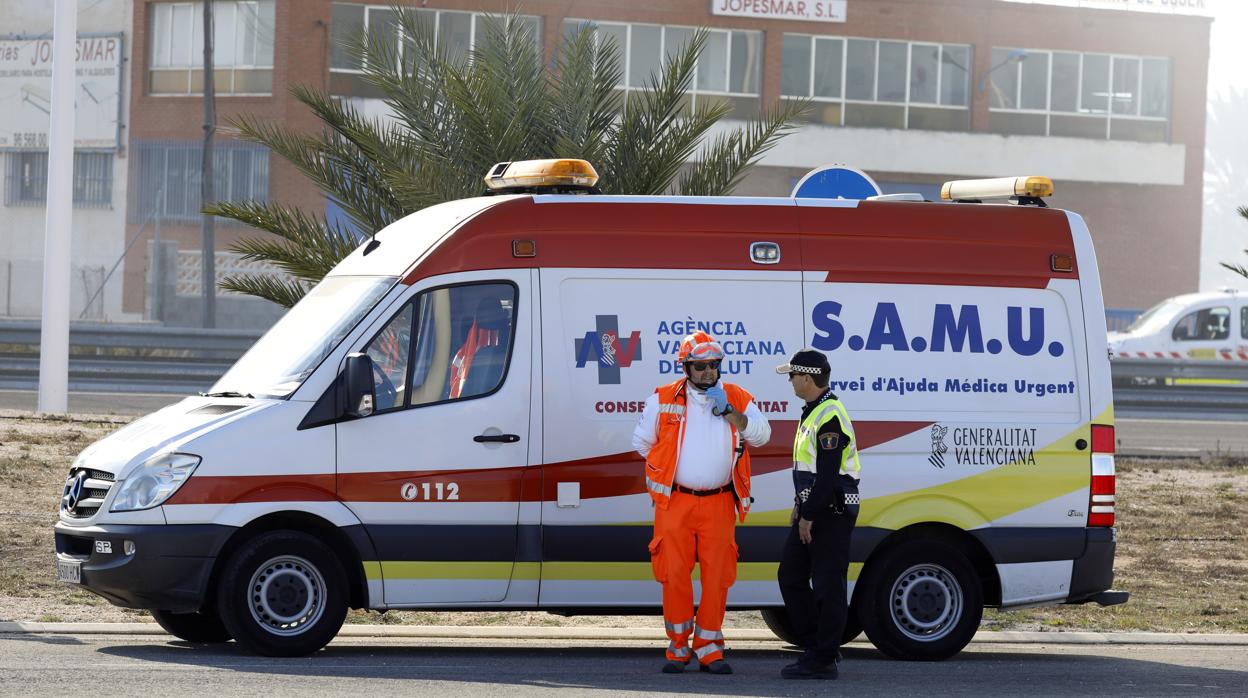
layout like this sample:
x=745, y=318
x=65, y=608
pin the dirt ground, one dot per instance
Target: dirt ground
x=1182, y=546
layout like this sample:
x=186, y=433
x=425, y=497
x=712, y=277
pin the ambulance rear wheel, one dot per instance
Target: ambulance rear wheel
x=921, y=601
x=283, y=594
x=777, y=620
x=203, y=626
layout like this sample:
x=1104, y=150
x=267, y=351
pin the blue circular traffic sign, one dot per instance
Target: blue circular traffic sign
x=836, y=182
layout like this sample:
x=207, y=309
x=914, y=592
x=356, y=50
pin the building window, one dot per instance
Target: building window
x=242, y=47
x=1082, y=95
x=169, y=178
x=26, y=179
x=880, y=84
x=726, y=72
x=457, y=31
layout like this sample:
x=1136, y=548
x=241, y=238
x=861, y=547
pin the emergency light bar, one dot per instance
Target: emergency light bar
x=530, y=174
x=999, y=188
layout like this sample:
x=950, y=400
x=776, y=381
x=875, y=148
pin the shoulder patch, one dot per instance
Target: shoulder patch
x=829, y=441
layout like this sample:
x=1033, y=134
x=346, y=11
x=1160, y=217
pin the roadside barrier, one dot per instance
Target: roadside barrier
x=125, y=358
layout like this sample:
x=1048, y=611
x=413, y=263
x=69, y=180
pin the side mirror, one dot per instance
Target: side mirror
x=357, y=379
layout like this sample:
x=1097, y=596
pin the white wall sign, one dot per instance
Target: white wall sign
x=26, y=92
x=802, y=10
x=1171, y=7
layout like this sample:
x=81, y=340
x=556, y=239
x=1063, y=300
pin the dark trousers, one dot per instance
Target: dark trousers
x=812, y=582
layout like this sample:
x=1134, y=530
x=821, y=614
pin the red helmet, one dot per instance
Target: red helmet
x=700, y=346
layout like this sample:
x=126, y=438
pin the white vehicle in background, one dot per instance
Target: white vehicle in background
x=1211, y=326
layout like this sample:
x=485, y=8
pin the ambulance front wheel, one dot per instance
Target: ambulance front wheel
x=921, y=601
x=777, y=620
x=283, y=594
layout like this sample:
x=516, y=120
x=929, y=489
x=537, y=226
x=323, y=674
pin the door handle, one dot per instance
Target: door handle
x=496, y=438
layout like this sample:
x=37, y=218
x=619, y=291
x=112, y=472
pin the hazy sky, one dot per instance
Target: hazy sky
x=1224, y=231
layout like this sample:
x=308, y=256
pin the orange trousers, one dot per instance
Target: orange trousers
x=695, y=529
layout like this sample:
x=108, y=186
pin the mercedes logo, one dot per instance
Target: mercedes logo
x=73, y=491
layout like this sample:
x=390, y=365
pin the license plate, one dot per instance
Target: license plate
x=69, y=571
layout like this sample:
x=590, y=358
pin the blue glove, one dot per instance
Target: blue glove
x=717, y=394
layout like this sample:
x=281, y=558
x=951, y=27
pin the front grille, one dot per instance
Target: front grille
x=84, y=492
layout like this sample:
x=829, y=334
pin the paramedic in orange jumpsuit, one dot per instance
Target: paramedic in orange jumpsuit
x=693, y=434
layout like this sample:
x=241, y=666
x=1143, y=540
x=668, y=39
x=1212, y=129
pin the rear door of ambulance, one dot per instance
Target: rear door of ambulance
x=435, y=473
x=960, y=355
x=611, y=336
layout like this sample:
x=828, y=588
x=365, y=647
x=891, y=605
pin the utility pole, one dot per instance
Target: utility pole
x=54, y=329
x=208, y=258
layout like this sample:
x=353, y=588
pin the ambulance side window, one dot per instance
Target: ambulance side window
x=463, y=341
x=389, y=351
x=1243, y=322
x=462, y=345
x=1206, y=324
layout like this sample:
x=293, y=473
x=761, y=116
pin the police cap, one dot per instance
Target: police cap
x=806, y=361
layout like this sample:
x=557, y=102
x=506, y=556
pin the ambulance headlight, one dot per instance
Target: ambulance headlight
x=154, y=481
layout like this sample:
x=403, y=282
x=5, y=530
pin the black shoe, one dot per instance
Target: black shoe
x=718, y=666
x=810, y=670
x=674, y=667
x=808, y=656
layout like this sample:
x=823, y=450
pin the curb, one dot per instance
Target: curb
x=518, y=632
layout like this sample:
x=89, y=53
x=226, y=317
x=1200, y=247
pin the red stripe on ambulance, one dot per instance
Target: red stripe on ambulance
x=615, y=475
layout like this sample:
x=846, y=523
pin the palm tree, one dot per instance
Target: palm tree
x=1239, y=268
x=456, y=116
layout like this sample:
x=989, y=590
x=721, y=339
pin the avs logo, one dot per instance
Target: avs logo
x=939, y=448
x=604, y=346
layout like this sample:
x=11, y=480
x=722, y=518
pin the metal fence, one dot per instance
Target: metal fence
x=126, y=358
x=1169, y=387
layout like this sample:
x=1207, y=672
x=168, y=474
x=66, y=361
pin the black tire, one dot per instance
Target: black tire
x=283, y=594
x=853, y=626
x=921, y=601
x=777, y=620
x=205, y=627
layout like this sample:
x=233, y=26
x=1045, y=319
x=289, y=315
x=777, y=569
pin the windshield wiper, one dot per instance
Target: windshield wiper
x=228, y=393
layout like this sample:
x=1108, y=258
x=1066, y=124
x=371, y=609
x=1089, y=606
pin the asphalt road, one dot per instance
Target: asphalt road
x=77, y=665
x=1180, y=437
x=1136, y=437
x=122, y=404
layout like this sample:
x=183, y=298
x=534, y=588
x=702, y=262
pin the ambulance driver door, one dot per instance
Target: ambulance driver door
x=434, y=473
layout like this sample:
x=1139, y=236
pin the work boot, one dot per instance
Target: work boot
x=674, y=667
x=718, y=666
x=810, y=669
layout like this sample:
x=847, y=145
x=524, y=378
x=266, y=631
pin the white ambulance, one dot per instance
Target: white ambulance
x=444, y=422
x=1210, y=326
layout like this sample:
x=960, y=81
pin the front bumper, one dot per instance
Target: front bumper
x=1093, y=572
x=168, y=571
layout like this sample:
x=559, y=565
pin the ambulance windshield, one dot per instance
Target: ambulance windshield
x=288, y=353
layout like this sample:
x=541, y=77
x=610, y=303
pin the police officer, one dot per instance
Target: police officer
x=816, y=552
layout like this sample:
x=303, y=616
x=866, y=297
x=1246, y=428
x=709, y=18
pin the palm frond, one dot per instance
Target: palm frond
x=334, y=164
x=651, y=144
x=728, y=159
x=308, y=247
x=585, y=98
x=284, y=292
